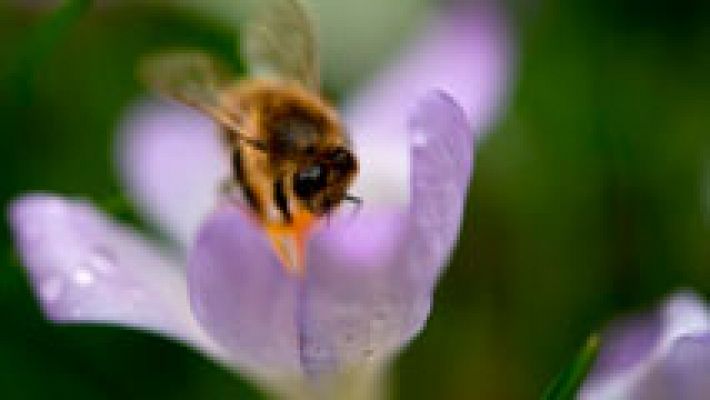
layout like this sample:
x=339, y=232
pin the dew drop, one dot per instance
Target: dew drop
x=101, y=260
x=419, y=139
x=83, y=277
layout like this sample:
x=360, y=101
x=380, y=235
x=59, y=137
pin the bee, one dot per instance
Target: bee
x=290, y=154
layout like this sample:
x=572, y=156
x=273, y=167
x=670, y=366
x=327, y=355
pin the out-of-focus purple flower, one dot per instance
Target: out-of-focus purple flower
x=661, y=356
x=369, y=277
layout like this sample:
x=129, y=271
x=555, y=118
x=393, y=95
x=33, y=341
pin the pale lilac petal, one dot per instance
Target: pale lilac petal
x=683, y=374
x=364, y=309
x=86, y=268
x=351, y=308
x=442, y=164
x=242, y=296
x=654, y=360
x=172, y=163
x=277, y=325
x=368, y=237
x=357, y=315
x=465, y=51
x=441, y=150
x=628, y=342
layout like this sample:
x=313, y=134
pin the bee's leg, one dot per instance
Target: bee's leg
x=236, y=189
x=229, y=191
x=226, y=186
x=357, y=201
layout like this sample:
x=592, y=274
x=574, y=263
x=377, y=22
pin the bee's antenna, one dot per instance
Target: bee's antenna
x=355, y=200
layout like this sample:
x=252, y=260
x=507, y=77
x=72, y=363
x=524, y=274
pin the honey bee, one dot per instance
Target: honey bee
x=290, y=154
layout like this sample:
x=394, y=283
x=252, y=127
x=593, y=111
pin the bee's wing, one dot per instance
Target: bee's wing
x=197, y=80
x=191, y=77
x=280, y=43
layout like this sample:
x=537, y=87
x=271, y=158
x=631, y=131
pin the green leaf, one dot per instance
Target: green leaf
x=565, y=385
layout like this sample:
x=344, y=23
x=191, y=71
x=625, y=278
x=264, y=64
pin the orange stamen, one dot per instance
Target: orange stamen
x=289, y=241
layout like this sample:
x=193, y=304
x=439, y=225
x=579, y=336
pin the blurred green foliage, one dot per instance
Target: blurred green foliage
x=589, y=197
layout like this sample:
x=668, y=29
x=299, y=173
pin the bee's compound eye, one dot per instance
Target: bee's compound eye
x=342, y=161
x=341, y=156
x=309, y=181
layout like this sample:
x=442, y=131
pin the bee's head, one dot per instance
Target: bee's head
x=323, y=184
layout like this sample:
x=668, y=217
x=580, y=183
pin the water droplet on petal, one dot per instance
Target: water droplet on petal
x=101, y=260
x=83, y=277
x=419, y=139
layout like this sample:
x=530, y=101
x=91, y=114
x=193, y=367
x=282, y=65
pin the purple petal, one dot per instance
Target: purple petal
x=172, y=163
x=361, y=309
x=85, y=268
x=242, y=296
x=683, y=374
x=465, y=52
x=441, y=157
x=648, y=358
x=442, y=164
x=628, y=342
x=360, y=301
x=273, y=323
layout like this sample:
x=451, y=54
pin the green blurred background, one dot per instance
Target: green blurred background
x=591, y=197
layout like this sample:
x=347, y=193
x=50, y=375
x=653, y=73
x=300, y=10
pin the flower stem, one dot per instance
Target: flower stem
x=358, y=383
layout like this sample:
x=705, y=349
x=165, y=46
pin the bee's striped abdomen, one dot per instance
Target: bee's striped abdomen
x=281, y=200
x=240, y=176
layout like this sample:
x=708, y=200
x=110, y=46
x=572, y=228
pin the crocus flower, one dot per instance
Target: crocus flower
x=369, y=276
x=661, y=356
